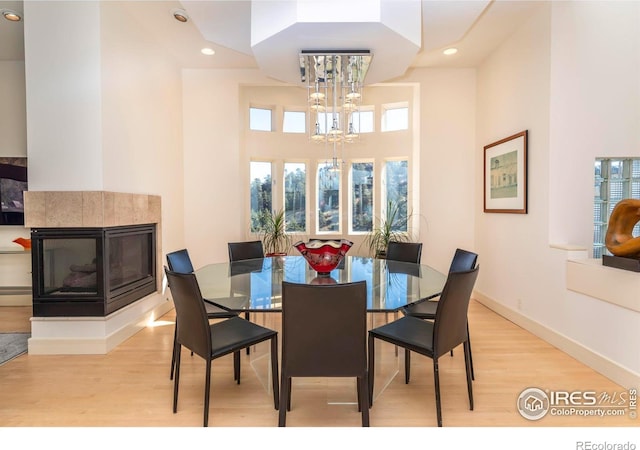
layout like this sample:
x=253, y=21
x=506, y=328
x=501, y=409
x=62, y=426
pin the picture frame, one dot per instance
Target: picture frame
x=505, y=175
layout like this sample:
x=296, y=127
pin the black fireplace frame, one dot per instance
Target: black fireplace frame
x=104, y=301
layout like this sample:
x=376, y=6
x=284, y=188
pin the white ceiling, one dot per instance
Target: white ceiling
x=475, y=27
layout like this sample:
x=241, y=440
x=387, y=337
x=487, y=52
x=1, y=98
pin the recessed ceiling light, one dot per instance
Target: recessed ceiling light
x=11, y=15
x=208, y=51
x=180, y=15
x=450, y=51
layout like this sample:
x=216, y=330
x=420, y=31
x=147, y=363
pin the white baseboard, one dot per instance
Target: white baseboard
x=601, y=364
x=16, y=300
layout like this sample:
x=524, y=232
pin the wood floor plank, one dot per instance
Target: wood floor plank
x=130, y=386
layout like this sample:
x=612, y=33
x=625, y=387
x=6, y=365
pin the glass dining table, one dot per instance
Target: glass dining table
x=255, y=286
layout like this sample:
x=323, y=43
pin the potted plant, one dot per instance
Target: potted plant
x=389, y=230
x=275, y=239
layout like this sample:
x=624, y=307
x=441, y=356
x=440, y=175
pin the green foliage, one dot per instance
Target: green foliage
x=390, y=229
x=272, y=232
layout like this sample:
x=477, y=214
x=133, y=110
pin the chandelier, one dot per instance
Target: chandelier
x=334, y=82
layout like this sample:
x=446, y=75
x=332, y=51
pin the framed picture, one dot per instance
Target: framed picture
x=505, y=175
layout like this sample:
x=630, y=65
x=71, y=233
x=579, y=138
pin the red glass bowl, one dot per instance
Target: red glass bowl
x=324, y=255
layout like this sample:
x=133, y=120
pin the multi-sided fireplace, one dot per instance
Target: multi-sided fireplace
x=91, y=271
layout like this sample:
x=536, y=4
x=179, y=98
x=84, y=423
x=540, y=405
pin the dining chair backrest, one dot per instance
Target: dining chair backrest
x=404, y=251
x=324, y=330
x=450, y=325
x=193, y=329
x=179, y=261
x=463, y=260
x=239, y=251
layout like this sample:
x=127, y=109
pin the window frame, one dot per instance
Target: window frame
x=273, y=205
x=296, y=111
x=384, y=191
x=392, y=107
x=271, y=110
x=307, y=166
x=350, y=196
x=319, y=165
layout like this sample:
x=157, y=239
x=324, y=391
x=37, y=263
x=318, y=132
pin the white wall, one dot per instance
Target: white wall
x=595, y=105
x=213, y=196
x=63, y=85
x=108, y=115
x=141, y=99
x=533, y=81
x=513, y=95
x=13, y=125
x=447, y=171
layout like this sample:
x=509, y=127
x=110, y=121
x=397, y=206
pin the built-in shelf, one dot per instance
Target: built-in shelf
x=589, y=277
x=15, y=290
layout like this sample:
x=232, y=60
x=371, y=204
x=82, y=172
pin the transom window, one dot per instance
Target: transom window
x=395, y=117
x=294, y=122
x=260, y=119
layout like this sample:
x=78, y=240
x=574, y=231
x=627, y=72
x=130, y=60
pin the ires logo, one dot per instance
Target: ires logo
x=575, y=398
x=534, y=403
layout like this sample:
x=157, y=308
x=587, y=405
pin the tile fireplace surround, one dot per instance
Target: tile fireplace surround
x=76, y=209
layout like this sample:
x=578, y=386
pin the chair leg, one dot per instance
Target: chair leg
x=290, y=395
x=473, y=375
x=436, y=382
x=176, y=379
x=246, y=316
x=407, y=365
x=207, y=391
x=274, y=372
x=363, y=389
x=175, y=349
x=285, y=392
x=469, y=369
x=371, y=368
x=236, y=366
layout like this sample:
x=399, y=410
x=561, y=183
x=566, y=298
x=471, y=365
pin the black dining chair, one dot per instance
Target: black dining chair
x=433, y=338
x=241, y=251
x=324, y=330
x=463, y=260
x=404, y=251
x=212, y=341
x=179, y=261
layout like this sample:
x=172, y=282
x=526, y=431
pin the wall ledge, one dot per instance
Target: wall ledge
x=619, y=374
x=619, y=287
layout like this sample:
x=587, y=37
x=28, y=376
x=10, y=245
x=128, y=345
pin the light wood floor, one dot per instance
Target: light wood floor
x=130, y=386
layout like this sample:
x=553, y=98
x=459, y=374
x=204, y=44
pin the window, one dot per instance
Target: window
x=295, y=196
x=260, y=189
x=615, y=179
x=325, y=121
x=260, y=119
x=396, y=194
x=361, y=217
x=362, y=121
x=294, y=122
x=395, y=118
x=328, y=188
